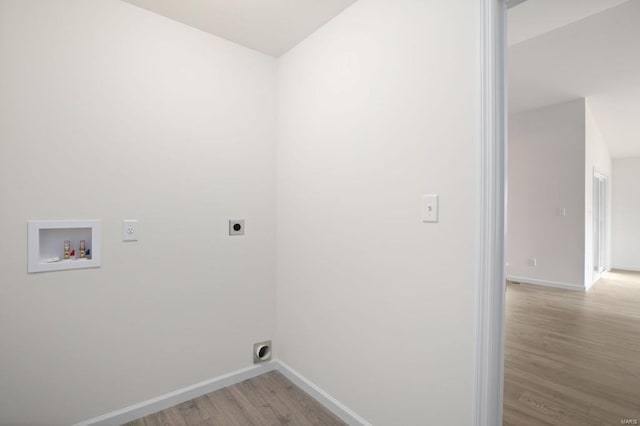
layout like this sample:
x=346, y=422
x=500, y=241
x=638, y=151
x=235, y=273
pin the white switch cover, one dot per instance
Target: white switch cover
x=430, y=208
x=129, y=230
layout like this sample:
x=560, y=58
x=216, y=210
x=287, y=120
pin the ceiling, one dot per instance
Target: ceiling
x=269, y=26
x=597, y=57
x=535, y=17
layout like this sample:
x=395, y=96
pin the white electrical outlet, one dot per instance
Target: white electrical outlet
x=533, y=262
x=129, y=230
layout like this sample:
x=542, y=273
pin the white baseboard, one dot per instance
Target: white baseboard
x=555, y=284
x=136, y=411
x=133, y=412
x=329, y=402
x=627, y=268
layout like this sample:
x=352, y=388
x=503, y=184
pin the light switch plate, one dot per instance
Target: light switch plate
x=430, y=208
x=129, y=230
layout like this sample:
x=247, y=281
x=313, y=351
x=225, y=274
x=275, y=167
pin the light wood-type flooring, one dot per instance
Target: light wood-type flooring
x=270, y=399
x=573, y=358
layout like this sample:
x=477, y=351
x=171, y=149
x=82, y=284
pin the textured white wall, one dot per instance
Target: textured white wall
x=377, y=308
x=626, y=213
x=597, y=158
x=546, y=172
x=109, y=111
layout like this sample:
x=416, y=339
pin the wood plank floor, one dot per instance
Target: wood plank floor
x=269, y=399
x=573, y=358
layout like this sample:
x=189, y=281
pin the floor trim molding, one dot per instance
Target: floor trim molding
x=627, y=268
x=330, y=403
x=153, y=405
x=555, y=284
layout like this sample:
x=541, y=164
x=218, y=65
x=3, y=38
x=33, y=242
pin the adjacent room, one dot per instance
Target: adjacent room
x=572, y=352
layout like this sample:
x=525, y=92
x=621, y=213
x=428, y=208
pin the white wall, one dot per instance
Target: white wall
x=111, y=112
x=546, y=172
x=626, y=213
x=597, y=158
x=377, y=308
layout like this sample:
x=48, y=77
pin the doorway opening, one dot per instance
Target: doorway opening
x=563, y=224
x=600, y=220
